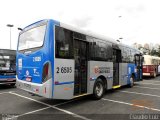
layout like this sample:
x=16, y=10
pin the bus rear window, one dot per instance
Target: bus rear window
x=32, y=38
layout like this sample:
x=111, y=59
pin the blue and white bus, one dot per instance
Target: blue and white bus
x=7, y=67
x=55, y=60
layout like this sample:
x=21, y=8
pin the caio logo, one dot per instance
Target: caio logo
x=101, y=70
x=96, y=69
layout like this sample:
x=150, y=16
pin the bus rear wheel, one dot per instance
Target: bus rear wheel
x=98, y=90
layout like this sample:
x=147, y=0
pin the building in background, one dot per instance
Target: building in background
x=148, y=49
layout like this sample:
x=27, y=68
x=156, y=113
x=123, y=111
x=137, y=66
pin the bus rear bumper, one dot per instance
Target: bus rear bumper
x=43, y=90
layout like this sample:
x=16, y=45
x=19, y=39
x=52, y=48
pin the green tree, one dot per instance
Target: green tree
x=155, y=52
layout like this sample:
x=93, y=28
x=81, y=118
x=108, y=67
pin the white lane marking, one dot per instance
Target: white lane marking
x=148, y=88
x=64, y=103
x=148, y=84
x=62, y=110
x=140, y=93
x=152, y=82
x=140, y=106
x=5, y=92
x=34, y=111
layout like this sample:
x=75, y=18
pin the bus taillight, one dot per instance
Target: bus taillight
x=45, y=72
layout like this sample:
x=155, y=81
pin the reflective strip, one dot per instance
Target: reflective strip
x=62, y=83
x=117, y=86
x=81, y=95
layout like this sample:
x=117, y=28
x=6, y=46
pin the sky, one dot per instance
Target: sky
x=136, y=21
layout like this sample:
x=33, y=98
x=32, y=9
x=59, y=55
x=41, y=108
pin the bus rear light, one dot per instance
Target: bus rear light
x=45, y=90
x=36, y=90
x=45, y=73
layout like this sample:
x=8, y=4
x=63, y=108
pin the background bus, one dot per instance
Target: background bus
x=7, y=67
x=151, y=66
x=57, y=61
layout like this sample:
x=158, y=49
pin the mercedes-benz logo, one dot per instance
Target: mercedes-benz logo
x=27, y=72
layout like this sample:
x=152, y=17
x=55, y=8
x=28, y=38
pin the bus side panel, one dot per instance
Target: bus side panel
x=96, y=69
x=63, y=79
x=123, y=73
x=131, y=70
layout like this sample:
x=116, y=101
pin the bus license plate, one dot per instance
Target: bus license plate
x=28, y=86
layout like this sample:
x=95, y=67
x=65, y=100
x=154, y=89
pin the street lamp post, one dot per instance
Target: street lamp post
x=20, y=29
x=120, y=40
x=9, y=25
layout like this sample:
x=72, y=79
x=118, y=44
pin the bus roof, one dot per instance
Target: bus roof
x=101, y=37
x=87, y=33
x=91, y=34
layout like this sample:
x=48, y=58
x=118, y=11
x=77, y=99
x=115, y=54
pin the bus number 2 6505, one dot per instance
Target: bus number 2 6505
x=64, y=69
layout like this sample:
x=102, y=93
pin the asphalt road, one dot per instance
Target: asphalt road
x=124, y=103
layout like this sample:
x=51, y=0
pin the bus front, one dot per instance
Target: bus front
x=7, y=67
x=34, y=59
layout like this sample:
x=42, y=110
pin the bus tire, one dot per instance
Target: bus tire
x=98, y=90
x=131, y=80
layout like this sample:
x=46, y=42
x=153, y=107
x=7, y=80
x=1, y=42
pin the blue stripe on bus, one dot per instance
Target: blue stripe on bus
x=63, y=83
x=2, y=76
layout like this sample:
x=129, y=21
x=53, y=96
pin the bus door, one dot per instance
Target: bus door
x=80, y=56
x=116, y=61
x=139, y=64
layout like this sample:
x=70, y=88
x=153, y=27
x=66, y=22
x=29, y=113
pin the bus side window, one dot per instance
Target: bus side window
x=64, y=43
